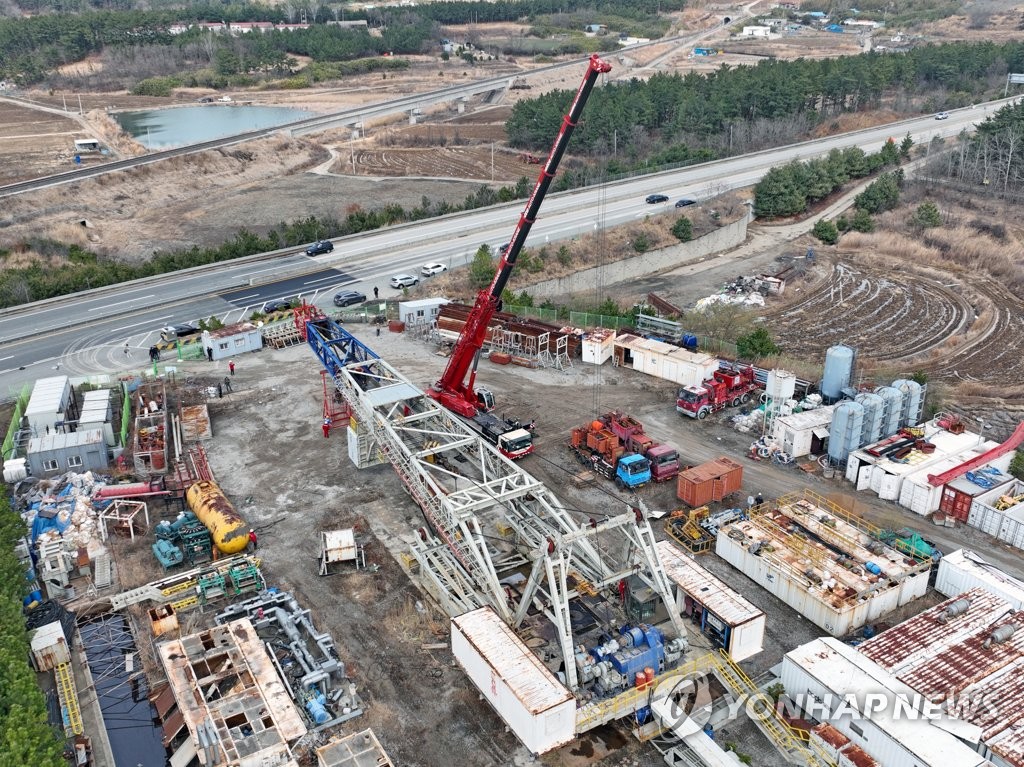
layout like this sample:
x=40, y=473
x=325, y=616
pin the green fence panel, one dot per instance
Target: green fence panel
x=20, y=404
x=126, y=414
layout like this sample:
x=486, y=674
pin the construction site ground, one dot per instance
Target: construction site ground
x=270, y=456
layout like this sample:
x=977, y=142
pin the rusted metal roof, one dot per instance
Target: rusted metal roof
x=831, y=735
x=924, y=635
x=519, y=668
x=711, y=470
x=858, y=756
x=705, y=587
x=1010, y=745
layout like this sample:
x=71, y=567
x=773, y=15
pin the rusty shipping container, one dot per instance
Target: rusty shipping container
x=711, y=481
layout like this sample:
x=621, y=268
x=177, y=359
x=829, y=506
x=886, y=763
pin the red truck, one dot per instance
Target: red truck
x=727, y=387
x=664, y=458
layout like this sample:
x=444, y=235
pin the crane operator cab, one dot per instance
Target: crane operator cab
x=484, y=400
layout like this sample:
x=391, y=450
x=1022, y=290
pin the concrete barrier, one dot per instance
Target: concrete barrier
x=585, y=281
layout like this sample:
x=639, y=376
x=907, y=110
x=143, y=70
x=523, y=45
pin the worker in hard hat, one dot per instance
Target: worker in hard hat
x=252, y=539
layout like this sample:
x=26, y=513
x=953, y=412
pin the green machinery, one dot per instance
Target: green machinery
x=185, y=540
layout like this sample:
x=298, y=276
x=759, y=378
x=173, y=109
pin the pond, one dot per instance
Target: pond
x=177, y=126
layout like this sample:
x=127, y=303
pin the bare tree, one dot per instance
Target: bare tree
x=289, y=12
x=314, y=10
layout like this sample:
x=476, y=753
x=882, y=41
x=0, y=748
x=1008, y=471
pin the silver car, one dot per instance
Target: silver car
x=404, y=281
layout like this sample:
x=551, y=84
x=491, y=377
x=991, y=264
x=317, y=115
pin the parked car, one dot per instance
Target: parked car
x=277, y=305
x=348, y=297
x=320, y=246
x=942, y=116
x=403, y=281
x=174, y=332
x=685, y=202
x=653, y=199
x=429, y=270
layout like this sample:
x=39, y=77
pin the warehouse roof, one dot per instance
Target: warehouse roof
x=705, y=587
x=845, y=671
x=972, y=662
x=47, y=395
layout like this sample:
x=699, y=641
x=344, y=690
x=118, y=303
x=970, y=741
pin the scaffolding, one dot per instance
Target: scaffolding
x=149, y=446
x=121, y=515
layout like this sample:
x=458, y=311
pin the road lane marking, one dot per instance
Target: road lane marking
x=105, y=307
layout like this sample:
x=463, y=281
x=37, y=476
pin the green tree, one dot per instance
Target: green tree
x=889, y=154
x=862, y=222
x=826, y=231
x=1017, y=465
x=641, y=243
x=481, y=270
x=905, y=146
x=683, y=229
x=756, y=345
x=927, y=216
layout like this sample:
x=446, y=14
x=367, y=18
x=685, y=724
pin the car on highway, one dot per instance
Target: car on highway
x=685, y=202
x=277, y=305
x=403, y=281
x=348, y=297
x=653, y=199
x=182, y=330
x=503, y=247
x=429, y=270
x=942, y=116
x=320, y=246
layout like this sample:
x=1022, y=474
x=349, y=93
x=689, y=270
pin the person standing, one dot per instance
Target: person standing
x=231, y=367
x=376, y=292
x=759, y=500
x=252, y=539
x=127, y=351
x=209, y=353
x=327, y=427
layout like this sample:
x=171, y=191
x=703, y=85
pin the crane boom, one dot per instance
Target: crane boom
x=454, y=390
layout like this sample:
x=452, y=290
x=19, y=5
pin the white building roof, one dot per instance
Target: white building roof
x=985, y=575
x=807, y=419
x=47, y=395
x=845, y=671
x=705, y=587
x=423, y=303
x=528, y=679
x=58, y=441
x=946, y=445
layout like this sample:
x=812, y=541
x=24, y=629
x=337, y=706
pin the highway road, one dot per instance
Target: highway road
x=87, y=333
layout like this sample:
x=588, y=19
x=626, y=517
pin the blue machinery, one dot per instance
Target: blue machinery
x=457, y=479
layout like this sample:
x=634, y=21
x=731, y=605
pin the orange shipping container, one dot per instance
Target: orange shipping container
x=711, y=481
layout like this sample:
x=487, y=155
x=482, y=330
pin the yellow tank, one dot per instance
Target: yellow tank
x=229, y=531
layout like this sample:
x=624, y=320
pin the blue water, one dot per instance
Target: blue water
x=177, y=126
x=135, y=738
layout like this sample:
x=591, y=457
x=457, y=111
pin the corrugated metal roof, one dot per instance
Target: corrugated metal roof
x=528, y=679
x=705, y=587
x=808, y=419
x=924, y=635
x=236, y=329
x=1009, y=745
x=845, y=671
x=47, y=395
x=59, y=441
x=974, y=566
x=831, y=735
x=858, y=756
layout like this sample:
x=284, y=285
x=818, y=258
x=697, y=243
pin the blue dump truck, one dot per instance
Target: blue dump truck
x=600, y=449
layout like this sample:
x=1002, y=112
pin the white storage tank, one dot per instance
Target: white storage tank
x=781, y=385
x=839, y=362
x=913, y=401
x=873, y=408
x=845, y=432
x=892, y=409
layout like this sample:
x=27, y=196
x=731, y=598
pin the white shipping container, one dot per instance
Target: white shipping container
x=527, y=696
x=1012, y=529
x=963, y=570
x=746, y=623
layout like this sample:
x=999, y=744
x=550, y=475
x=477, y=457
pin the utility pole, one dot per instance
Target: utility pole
x=492, y=162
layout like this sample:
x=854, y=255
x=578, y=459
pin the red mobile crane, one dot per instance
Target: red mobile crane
x=453, y=389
